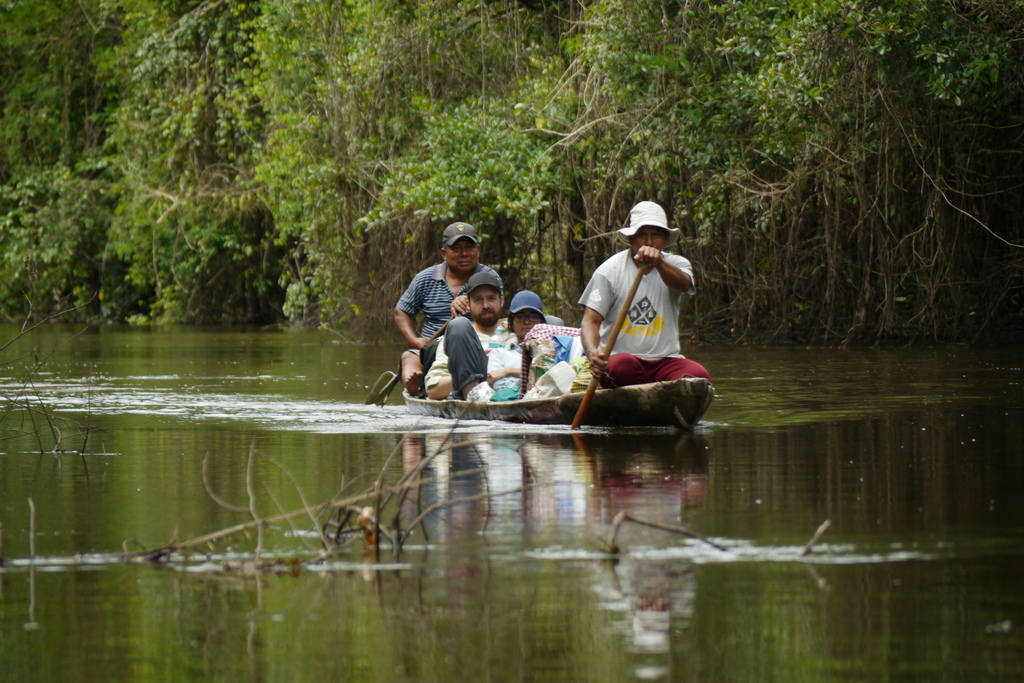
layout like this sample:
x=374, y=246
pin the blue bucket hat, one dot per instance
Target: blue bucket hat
x=526, y=299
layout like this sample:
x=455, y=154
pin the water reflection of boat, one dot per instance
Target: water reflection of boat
x=661, y=478
x=680, y=403
x=559, y=482
x=564, y=488
x=653, y=596
x=663, y=472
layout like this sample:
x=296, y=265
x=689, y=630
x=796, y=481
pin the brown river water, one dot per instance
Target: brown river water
x=914, y=455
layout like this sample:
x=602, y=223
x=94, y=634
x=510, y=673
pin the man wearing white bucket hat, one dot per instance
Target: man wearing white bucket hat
x=647, y=347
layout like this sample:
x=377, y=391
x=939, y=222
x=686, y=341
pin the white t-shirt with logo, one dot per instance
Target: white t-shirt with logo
x=651, y=329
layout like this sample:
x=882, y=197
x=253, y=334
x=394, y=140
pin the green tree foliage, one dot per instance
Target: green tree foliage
x=408, y=117
x=53, y=114
x=841, y=170
x=839, y=161
x=190, y=222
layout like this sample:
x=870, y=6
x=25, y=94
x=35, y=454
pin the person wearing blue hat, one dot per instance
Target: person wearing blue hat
x=504, y=366
x=525, y=311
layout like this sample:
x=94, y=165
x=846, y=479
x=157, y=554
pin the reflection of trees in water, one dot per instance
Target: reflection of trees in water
x=24, y=414
x=903, y=473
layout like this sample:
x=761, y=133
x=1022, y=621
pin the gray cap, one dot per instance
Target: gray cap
x=483, y=278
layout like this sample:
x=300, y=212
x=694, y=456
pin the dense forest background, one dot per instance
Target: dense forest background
x=842, y=170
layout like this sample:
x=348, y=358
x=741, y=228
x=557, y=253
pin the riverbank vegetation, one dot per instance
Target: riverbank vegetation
x=842, y=171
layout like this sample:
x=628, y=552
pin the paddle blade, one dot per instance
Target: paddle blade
x=385, y=381
x=386, y=392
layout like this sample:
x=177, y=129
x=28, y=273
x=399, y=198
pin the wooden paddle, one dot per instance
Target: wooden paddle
x=609, y=345
x=381, y=395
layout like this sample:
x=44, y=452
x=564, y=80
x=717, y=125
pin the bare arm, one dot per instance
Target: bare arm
x=460, y=305
x=407, y=327
x=673, y=277
x=590, y=337
x=500, y=373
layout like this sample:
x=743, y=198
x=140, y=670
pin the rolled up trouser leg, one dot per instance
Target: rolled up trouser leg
x=427, y=355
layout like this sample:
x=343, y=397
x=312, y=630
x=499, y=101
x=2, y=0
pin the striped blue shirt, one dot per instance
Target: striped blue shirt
x=429, y=292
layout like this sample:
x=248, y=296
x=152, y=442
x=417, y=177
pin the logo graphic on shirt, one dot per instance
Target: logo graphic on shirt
x=642, y=312
x=643, y=319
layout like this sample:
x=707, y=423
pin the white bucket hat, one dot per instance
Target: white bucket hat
x=648, y=214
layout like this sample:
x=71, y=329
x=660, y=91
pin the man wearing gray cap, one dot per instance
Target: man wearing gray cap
x=461, y=361
x=647, y=348
x=439, y=293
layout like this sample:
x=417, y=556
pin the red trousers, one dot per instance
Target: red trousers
x=625, y=369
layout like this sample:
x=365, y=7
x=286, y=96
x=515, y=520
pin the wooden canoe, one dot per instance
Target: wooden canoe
x=680, y=403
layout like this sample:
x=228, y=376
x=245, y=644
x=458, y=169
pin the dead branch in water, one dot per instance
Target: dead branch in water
x=360, y=515
x=611, y=547
x=28, y=399
x=816, y=537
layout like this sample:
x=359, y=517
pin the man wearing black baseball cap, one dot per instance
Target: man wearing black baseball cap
x=439, y=293
x=461, y=361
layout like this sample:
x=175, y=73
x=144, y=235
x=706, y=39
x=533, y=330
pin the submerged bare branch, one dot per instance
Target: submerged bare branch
x=611, y=547
x=816, y=537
